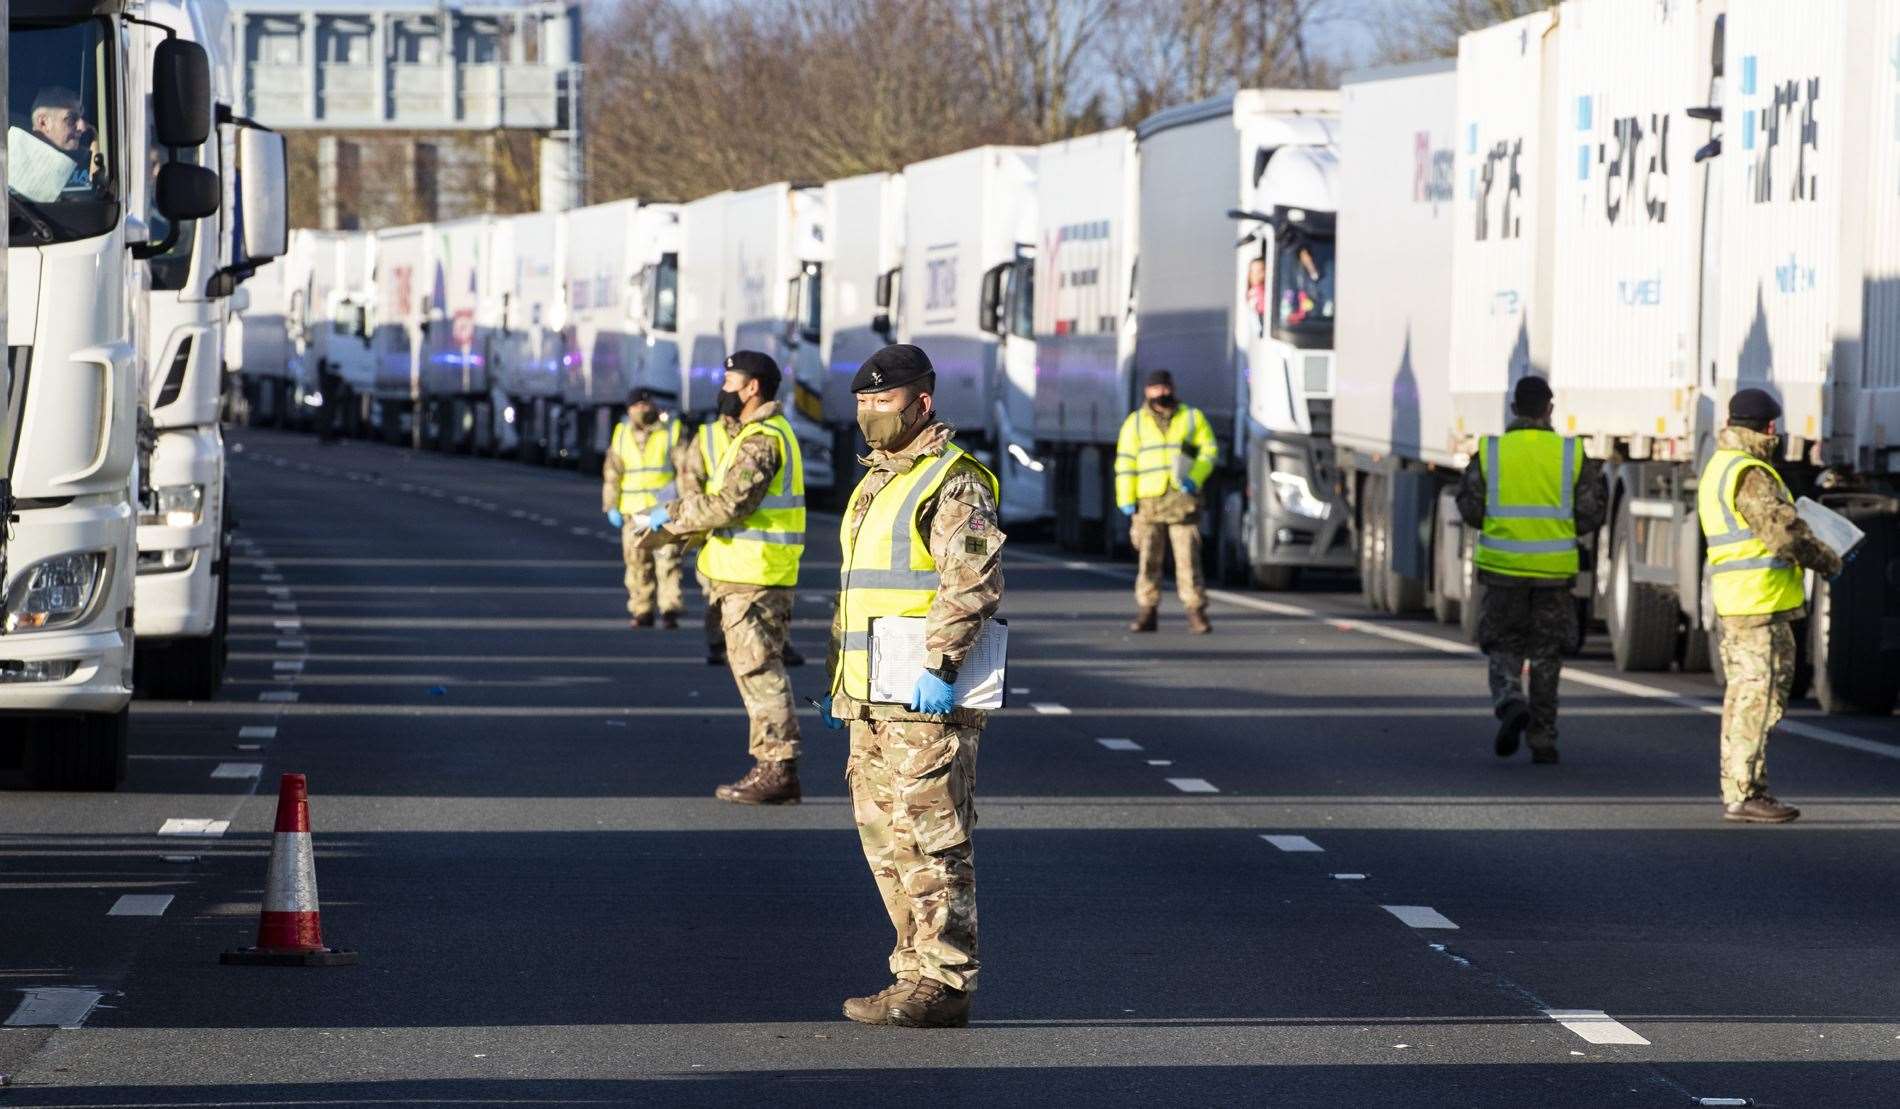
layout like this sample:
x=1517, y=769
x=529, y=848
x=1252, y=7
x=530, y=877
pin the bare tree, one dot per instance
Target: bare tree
x=1417, y=29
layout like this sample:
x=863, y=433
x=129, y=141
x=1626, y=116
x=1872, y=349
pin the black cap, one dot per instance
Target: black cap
x=1531, y=396
x=1755, y=405
x=1158, y=377
x=642, y=395
x=757, y=365
x=893, y=367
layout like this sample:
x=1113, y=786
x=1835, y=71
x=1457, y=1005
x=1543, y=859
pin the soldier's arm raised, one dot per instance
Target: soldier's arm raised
x=967, y=544
x=747, y=480
x=1780, y=528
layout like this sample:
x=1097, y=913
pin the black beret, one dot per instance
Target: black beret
x=1159, y=377
x=642, y=395
x=1531, y=393
x=895, y=366
x=1753, y=404
x=757, y=365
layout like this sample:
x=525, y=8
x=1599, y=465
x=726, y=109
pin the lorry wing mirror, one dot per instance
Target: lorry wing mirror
x=1242, y=213
x=263, y=194
x=187, y=192
x=181, y=93
x=881, y=323
x=884, y=289
x=989, y=313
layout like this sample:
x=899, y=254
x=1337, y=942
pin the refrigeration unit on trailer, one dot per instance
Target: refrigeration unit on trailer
x=968, y=299
x=457, y=410
x=864, y=220
x=399, y=279
x=1087, y=207
x=80, y=185
x=526, y=306
x=1397, y=452
x=180, y=596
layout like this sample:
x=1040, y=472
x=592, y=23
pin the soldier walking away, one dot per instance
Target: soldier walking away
x=920, y=539
x=752, y=514
x=1164, y=456
x=637, y=476
x=694, y=460
x=1529, y=494
x=1757, y=546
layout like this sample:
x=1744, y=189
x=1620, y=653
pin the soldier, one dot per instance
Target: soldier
x=694, y=460
x=1164, y=456
x=1757, y=546
x=637, y=475
x=920, y=539
x=752, y=513
x=1530, y=493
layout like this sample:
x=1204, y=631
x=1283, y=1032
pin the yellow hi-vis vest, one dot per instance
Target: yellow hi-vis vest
x=1148, y=460
x=763, y=548
x=1746, y=579
x=713, y=439
x=646, y=469
x=888, y=569
x=1530, y=523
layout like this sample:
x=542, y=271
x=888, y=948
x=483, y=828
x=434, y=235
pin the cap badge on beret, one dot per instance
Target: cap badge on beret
x=877, y=377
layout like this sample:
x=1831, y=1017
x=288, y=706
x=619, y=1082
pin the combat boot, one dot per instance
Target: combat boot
x=876, y=1008
x=1144, y=620
x=715, y=656
x=1516, y=718
x=670, y=620
x=929, y=1004
x=1197, y=621
x=644, y=620
x=1760, y=809
x=767, y=783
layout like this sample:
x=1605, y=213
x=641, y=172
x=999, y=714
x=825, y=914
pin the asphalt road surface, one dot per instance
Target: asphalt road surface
x=1274, y=866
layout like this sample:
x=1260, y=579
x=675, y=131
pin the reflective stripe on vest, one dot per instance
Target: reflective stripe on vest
x=646, y=469
x=1157, y=464
x=1745, y=577
x=764, y=548
x=1530, y=525
x=713, y=441
x=888, y=569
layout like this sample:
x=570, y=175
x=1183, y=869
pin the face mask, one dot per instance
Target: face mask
x=884, y=429
x=730, y=404
x=1164, y=401
x=647, y=418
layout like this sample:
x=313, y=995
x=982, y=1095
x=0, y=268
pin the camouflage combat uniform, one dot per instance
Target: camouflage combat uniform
x=1530, y=620
x=913, y=775
x=689, y=469
x=754, y=619
x=1758, y=652
x=1172, y=520
x=650, y=574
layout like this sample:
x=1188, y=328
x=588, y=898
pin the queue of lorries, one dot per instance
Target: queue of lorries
x=1651, y=205
x=138, y=203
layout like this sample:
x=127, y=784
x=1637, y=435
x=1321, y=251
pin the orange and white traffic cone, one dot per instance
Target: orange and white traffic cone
x=289, y=930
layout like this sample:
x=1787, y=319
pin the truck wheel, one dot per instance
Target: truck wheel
x=1851, y=673
x=1368, y=545
x=1275, y=579
x=1642, y=618
x=77, y=752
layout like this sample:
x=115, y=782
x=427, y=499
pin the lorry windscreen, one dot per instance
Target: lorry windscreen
x=1303, y=289
x=61, y=132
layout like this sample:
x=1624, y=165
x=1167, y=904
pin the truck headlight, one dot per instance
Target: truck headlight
x=55, y=592
x=1296, y=496
x=175, y=506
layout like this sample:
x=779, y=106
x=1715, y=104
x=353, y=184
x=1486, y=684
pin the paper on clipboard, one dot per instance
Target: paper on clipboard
x=1829, y=526
x=897, y=658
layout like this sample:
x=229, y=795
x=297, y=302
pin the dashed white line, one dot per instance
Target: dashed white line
x=141, y=904
x=270, y=577
x=1596, y=1026
x=1293, y=843
x=279, y=697
x=287, y=625
x=54, y=1007
x=1160, y=762
x=258, y=731
x=1120, y=744
x=1019, y=691
x=290, y=644
x=238, y=770
x=291, y=664
x=1420, y=916
x=1193, y=785
x=193, y=826
x=581, y=531
x=1350, y=877
x=277, y=590
x=1049, y=708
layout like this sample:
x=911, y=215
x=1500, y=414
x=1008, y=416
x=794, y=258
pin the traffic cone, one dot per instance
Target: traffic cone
x=289, y=931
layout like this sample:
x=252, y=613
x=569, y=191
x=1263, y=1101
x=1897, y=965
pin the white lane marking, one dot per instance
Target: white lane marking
x=581, y=531
x=1120, y=744
x=1350, y=877
x=1019, y=691
x=292, y=664
x=277, y=590
x=248, y=746
x=1193, y=785
x=258, y=731
x=54, y=1007
x=279, y=697
x=1293, y=843
x=141, y=904
x=1049, y=708
x=814, y=598
x=270, y=577
x=238, y=770
x=1420, y=916
x=290, y=644
x=287, y=625
x=179, y=858
x=284, y=606
x=193, y=826
x=1160, y=762
x=1709, y=1100
x=1595, y=1026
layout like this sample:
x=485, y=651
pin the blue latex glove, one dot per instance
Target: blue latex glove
x=1128, y=510
x=931, y=694
x=614, y=518
x=657, y=517
x=824, y=714
x=1189, y=485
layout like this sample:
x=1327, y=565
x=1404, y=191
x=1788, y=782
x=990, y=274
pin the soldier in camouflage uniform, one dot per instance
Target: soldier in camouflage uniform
x=650, y=575
x=1526, y=619
x=912, y=768
x=1756, y=605
x=755, y=619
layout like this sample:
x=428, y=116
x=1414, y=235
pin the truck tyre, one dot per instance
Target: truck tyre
x=1274, y=578
x=1851, y=673
x=1642, y=618
x=77, y=752
x=1369, y=578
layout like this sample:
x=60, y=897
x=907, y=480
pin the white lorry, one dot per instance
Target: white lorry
x=326, y=298
x=864, y=221
x=400, y=278
x=84, y=166
x=526, y=311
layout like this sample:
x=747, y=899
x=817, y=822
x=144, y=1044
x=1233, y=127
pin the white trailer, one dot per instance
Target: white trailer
x=527, y=311
x=257, y=338
x=331, y=373
x=968, y=300
x=457, y=412
x=864, y=221
x=702, y=307
x=399, y=276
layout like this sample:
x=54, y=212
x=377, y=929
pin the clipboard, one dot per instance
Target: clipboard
x=1833, y=529
x=897, y=659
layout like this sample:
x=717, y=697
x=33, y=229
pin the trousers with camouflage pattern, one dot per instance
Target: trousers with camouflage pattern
x=755, y=621
x=1759, y=665
x=650, y=574
x=1534, y=625
x=913, y=795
